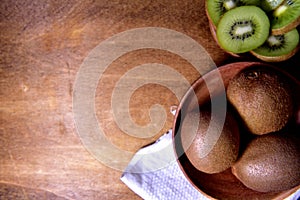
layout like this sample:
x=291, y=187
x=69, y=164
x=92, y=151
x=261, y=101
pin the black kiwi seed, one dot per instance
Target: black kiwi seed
x=280, y=45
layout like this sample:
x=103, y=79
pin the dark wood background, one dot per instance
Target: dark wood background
x=43, y=44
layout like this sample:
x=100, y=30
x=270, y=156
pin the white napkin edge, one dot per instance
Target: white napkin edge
x=135, y=187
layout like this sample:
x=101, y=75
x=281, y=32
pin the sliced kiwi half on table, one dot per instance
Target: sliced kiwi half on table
x=215, y=9
x=214, y=35
x=278, y=47
x=243, y=29
x=285, y=17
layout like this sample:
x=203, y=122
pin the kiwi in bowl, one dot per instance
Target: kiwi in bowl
x=270, y=163
x=266, y=29
x=264, y=97
x=223, y=152
x=229, y=183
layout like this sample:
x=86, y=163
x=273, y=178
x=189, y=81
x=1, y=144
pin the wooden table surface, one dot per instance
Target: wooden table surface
x=43, y=44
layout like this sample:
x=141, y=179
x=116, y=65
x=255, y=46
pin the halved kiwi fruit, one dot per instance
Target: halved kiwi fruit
x=216, y=8
x=214, y=34
x=243, y=29
x=286, y=17
x=269, y=5
x=278, y=47
x=263, y=28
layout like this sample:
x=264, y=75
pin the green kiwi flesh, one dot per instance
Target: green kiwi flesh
x=269, y=5
x=196, y=139
x=278, y=47
x=263, y=97
x=286, y=17
x=270, y=163
x=216, y=8
x=243, y=29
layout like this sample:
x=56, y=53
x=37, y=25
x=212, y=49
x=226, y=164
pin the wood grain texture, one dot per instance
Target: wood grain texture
x=43, y=44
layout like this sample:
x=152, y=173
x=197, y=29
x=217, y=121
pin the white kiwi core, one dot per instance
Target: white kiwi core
x=243, y=30
x=272, y=40
x=229, y=4
x=280, y=10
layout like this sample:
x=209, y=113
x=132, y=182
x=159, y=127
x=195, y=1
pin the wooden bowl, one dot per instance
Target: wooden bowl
x=222, y=185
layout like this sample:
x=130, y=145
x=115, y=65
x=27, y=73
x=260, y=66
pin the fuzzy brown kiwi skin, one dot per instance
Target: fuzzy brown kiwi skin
x=276, y=58
x=223, y=154
x=263, y=97
x=270, y=163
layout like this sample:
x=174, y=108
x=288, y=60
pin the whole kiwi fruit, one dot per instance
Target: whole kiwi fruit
x=263, y=97
x=270, y=163
x=210, y=150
